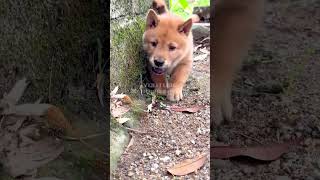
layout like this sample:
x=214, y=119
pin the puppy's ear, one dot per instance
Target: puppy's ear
x=185, y=27
x=152, y=19
x=195, y=18
x=159, y=6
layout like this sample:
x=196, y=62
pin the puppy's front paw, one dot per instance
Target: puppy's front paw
x=174, y=94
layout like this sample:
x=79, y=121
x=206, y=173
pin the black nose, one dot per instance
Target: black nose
x=159, y=62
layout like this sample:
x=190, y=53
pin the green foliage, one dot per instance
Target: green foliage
x=184, y=8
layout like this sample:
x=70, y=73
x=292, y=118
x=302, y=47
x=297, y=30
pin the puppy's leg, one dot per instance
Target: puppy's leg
x=177, y=81
x=235, y=23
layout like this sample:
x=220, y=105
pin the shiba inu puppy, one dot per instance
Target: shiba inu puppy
x=235, y=23
x=168, y=43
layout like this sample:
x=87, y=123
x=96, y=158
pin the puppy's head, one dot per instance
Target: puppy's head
x=166, y=40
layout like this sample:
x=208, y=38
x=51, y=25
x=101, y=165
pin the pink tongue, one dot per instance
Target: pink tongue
x=158, y=70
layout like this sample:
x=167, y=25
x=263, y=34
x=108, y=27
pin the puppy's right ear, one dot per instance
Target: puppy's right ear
x=152, y=19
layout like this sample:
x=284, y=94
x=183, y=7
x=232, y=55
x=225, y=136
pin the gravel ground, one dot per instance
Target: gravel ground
x=277, y=97
x=172, y=137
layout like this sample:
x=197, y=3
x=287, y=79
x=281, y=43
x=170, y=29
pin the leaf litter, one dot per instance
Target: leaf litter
x=262, y=152
x=23, y=134
x=188, y=166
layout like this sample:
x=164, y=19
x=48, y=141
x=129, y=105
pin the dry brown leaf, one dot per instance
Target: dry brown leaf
x=119, y=111
x=15, y=94
x=18, y=122
x=205, y=51
x=56, y=119
x=27, y=110
x=122, y=120
x=23, y=160
x=127, y=100
x=264, y=152
x=130, y=144
x=123, y=97
x=188, y=166
x=192, y=109
x=114, y=91
x=200, y=57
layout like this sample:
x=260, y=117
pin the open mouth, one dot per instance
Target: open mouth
x=158, y=71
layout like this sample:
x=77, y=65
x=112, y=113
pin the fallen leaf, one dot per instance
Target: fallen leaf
x=122, y=120
x=123, y=97
x=127, y=100
x=100, y=87
x=264, y=153
x=15, y=94
x=118, y=96
x=27, y=110
x=149, y=107
x=205, y=39
x=200, y=57
x=32, y=157
x=205, y=51
x=56, y=119
x=114, y=91
x=130, y=144
x=18, y=122
x=119, y=111
x=197, y=47
x=185, y=109
x=188, y=166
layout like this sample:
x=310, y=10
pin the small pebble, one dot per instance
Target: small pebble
x=165, y=159
x=130, y=173
x=178, y=152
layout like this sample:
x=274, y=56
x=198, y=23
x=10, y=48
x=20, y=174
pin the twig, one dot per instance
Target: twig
x=207, y=38
x=134, y=130
x=85, y=137
x=2, y=121
x=81, y=139
x=50, y=79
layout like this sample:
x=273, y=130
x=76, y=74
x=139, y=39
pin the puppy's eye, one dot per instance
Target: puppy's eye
x=154, y=44
x=172, y=48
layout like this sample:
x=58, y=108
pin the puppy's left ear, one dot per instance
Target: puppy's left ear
x=152, y=19
x=185, y=27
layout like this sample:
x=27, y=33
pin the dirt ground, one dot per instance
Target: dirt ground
x=277, y=96
x=176, y=136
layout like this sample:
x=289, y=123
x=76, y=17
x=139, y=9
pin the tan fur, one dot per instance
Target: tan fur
x=235, y=23
x=168, y=30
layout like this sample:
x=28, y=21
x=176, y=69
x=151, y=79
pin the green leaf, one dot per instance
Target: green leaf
x=184, y=3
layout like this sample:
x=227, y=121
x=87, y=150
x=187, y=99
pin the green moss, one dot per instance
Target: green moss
x=49, y=43
x=119, y=139
x=126, y=57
